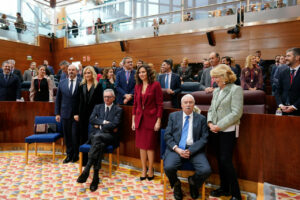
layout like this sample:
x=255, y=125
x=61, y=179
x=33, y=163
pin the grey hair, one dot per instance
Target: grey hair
x=295, y=51
x=187, y=95
x=64, y=62
x=5, y=62
x=124, y=59
x=111, y=91
x=12, y=61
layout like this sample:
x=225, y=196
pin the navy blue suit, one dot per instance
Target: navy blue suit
x=66, y=106
x=10, y=90
x=123, y=87
x=173, y=161
x=286, y=93
x=175, y=85
x=51, y=69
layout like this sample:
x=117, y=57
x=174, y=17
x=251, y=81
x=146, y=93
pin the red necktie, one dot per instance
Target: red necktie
x=292, y=76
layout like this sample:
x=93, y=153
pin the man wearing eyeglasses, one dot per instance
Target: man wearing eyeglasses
x=105, y=120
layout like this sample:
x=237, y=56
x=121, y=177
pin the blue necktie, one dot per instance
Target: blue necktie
x=71, y=87
x=184, y=133
x=167, y=81
x=6, y=77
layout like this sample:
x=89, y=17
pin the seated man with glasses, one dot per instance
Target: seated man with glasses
x=105, y=120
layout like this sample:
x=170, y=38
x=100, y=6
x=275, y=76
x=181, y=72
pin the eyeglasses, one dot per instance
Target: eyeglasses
x=108, y=97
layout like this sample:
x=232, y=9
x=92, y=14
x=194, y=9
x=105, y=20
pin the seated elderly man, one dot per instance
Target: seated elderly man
x=186, y=137
x=105, y=120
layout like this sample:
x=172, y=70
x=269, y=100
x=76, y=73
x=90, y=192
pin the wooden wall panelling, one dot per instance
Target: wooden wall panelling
x=20, y=51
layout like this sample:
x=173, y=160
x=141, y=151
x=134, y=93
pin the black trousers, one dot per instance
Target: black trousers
x=225, y=142
x=70, y=127
x=99, y=142
x=173, y=162
x=83, y=134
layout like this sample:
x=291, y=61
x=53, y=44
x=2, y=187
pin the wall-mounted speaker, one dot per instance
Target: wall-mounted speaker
x=122, y=45
x=211, y=38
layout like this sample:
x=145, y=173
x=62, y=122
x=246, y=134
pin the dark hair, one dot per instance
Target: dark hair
x=141, y=61
x=19, y=14
x=296, y=51
x=258, y=51
x=228, y=59
x=169, y=62
x=150, y=74
x=105, y=73
x=64, y=62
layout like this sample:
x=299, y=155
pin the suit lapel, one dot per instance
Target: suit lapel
x=195, y=125
x=179, y=119
x=223, y=94
x=163, y=81
x=84, y=89
x=295, y=77
x=91, y=93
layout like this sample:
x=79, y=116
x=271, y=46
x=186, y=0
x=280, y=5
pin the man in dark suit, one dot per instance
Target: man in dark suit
x=186, y=137
x=10, y=88
x=206, y=82
x=50, y=68
x=125, y=83
x=105, y=120
x=15, y=71
x=170, y=81
x=63, y=72
x=67, y=100
x=288, y=92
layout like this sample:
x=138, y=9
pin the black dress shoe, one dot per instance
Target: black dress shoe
x=219, y=192
x=75, y=159
x=193, y=188
x=177, y=191
x=68, y=159
x=94, y=184
x=83, y=177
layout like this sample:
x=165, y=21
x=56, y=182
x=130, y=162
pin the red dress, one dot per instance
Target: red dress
x=147, y=108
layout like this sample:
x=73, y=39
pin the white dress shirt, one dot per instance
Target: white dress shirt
x=189, y=140
x=169, y=82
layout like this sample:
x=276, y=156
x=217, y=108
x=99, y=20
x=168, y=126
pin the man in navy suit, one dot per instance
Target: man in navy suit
x=10, y=87
x=105, y=120
x=50, y=68
x=170, y=81
x=125, y=83
x=288, y=92
x=15, y=71
x=186, y=137
x=63, y=72
x=67, y=100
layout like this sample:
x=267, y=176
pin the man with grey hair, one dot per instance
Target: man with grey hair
x=15, y=71
x=105, y=120
x=30, y=73
x=125, y=82
x=63, y=72
x=66, y=110
x=186, y=136
x=10, y=89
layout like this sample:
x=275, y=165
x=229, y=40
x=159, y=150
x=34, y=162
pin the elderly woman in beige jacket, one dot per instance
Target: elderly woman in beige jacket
x=223, y=119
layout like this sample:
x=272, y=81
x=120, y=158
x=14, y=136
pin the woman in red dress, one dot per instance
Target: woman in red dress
x=146, y=116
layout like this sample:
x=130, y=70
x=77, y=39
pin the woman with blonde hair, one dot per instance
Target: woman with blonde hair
x=41, y=86
x=185, y=71
x=251, y=75
x=223, y=119
x=90, y=94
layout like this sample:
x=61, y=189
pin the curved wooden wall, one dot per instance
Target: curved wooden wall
x=266, y=151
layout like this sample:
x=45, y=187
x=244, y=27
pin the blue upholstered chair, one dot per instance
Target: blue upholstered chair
x=85, y=148
x=44, y=137
x=185, y=170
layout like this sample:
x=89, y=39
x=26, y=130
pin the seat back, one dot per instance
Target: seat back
x=48, y=120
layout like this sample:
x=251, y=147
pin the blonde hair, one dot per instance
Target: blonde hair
x=225, y=72
x=94, y=75
x=248, y=63
x=185, y=59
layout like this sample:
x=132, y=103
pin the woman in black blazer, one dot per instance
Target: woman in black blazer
x=90, y=94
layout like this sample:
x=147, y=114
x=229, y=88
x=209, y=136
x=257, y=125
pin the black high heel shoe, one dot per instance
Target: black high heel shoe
x=143, y=177
x=150, y=178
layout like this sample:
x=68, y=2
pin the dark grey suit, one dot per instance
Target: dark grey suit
x=107, y=135
x=205, y=81
x=173, y=161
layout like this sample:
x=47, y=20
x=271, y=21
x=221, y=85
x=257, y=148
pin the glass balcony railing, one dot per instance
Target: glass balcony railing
x=27, y=34
x=205, y=18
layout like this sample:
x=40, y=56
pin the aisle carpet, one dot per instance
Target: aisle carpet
x=274, y=192
x=42, y=179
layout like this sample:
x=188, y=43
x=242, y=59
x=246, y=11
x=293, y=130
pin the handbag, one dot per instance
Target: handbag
x=45, y=128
